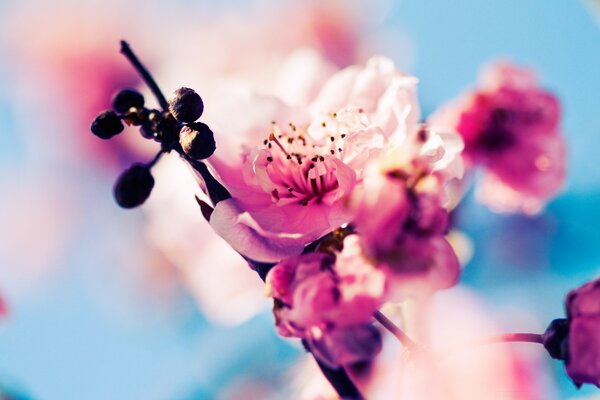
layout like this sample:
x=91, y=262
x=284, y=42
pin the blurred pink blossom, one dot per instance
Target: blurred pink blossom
x=583, y=310
x=3, y=308
x=454, y=365
x=400, y=213
x=510, y=126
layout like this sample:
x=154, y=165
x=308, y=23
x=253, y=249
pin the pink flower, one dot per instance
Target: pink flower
x=450, y=326
x=329, y=300
x=511, y=128
x=290, y=169
x=3, y=308
x=583, y=311
x=320, y=289
x=400, y=214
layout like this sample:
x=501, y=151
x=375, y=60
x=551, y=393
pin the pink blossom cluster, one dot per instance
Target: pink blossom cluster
x=511, y=128
x=352, y=160
x=328, y=299
x=337, y=195
x=583, y=354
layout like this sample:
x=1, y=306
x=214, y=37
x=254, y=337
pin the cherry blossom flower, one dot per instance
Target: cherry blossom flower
x=320, y=289
x=329, y=300
x=400, y=213
x=299, y=164
x=583, y=312
x=510, y=126
x=3, y=308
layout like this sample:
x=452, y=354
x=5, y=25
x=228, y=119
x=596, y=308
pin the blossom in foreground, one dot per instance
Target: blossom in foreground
x=329, y=300
x=400, y=213
x=583, y=312
x=293, y=169
x=510, y=126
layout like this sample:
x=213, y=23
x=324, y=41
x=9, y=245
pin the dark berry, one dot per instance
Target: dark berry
x=186, y=105
x=197, y=141
x=127, y=99
x=134, y=186
x=147, y=131
x=107, y=125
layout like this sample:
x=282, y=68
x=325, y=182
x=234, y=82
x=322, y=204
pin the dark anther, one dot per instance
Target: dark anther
x=133, y=186
x=127, y=99
x=186, y=105
x=107, y=125
x=197, y=141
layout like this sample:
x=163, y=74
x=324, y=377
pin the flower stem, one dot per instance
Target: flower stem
x=513, y=337
x=395, y=330
x=339, y=379
x=139, y=67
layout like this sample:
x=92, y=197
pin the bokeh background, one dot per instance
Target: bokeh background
x=112, y=304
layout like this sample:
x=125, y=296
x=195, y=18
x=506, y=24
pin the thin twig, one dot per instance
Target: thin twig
x=155, y=159
x=512, y=337
x=395, y=330
x=496, y=339
x=139, y=67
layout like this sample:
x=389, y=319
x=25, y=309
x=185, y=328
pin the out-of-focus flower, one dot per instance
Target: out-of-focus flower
x=453, y=366
x=3, y=308
x=510, y=126
x=329, y=300
x=400, y=213
x=297, y=165
x=583, y=312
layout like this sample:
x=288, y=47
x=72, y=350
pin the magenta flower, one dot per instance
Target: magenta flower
x=329, y=300
x=511, y=128
x=320, y=289
x=583, y=312
x=289, y=170
x=3, y=308
x=401, y=217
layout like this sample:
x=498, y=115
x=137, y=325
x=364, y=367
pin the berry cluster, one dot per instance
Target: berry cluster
x=174, y=128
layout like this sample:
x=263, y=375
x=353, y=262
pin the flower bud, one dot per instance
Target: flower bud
x=134, y=186
x=186, y=105
x=197, y=141
x=555, y=339
x=127, y=99
x=107, y=125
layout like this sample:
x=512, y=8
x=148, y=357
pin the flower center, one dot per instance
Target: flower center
x=301, y=167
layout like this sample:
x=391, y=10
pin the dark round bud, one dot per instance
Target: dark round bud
x=127, y=99
x=107, y=125
x=147, y=131
x=197, y=141
x=133, y=186
x=556, y=339
x=186, y=105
